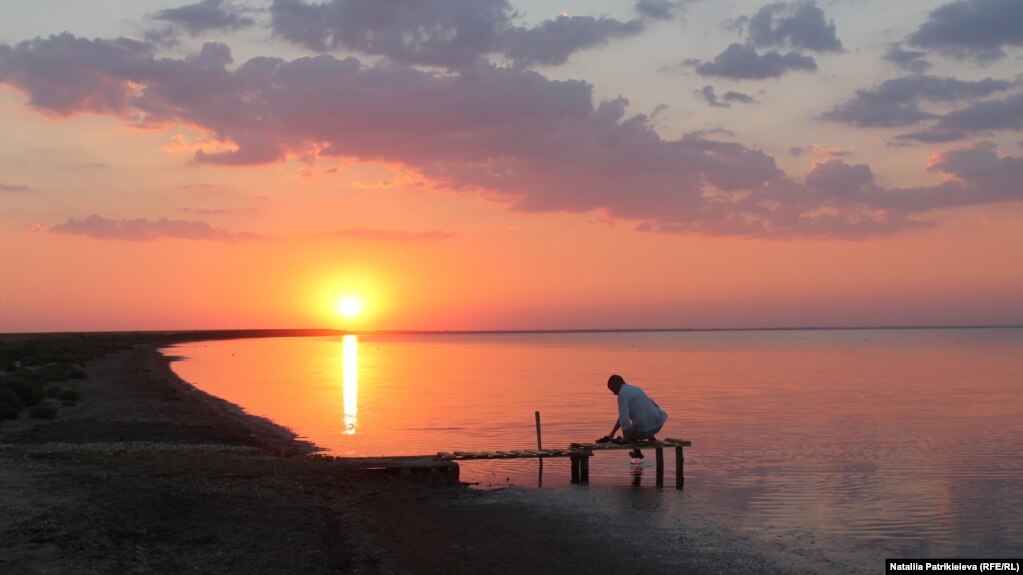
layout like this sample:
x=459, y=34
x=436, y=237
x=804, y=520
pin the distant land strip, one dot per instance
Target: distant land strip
x=201, y=335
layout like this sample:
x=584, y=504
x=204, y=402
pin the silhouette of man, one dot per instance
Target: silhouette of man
x=639, y=417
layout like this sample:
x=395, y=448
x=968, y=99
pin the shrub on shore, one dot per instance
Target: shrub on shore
x=43, y=411
x=10, y=404
x=69, y=397
x=18, y=352
x=8, y=412
x=32, y=365
x=29, y=393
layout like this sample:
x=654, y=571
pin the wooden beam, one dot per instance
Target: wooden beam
x=679, y=461
x=660, y=467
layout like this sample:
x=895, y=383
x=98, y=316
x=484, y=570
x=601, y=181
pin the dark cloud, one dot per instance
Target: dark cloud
x=974, y=175
x=164, y=37
x=931, y=136
x=801, y=26
x=978, y=29
x=141, y=230
x=706, y=134
x=450, y=33
x=986, y=175
x=12, y=188
x=1003, y=114
x=657, y=9
x=431, y=32
x=742, y=62
x=733, y=96
x=909, y=60
x=837, y=177
x=64, y=74
x=980, y=117
x=538, y=144
x=391, y=235
x=896, y=102
x=709, y=95
x=553, y=41
x=203, y=16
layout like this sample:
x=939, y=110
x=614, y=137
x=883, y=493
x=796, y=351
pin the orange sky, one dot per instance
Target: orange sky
x=554, y=207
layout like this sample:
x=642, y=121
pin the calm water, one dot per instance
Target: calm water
x=901, y=442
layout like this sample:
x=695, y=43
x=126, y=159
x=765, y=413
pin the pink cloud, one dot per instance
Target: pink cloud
x=141, y=229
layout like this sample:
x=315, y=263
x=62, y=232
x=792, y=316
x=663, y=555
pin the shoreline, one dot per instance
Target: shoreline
x=275, y=437
x=149, y=474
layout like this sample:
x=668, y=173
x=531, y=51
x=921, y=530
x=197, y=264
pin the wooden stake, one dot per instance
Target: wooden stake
x=539, y=444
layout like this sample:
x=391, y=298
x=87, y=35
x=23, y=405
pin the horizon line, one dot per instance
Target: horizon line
x=298, y=332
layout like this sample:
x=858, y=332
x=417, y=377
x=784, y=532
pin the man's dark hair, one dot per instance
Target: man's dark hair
x=615, y=381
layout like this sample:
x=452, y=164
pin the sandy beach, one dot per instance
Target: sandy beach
x=147, y=474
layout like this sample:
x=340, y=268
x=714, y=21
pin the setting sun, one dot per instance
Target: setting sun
x=349, y=307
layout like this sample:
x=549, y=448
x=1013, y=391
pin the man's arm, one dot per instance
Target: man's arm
x=623, y=415
x=611, y=435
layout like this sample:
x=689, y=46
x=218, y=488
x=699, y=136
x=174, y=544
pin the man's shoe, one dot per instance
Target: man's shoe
x=636, y=454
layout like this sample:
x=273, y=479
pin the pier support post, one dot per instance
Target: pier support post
x=584, y=472
x=575, y=467
x=679, y=461
x=660, y=467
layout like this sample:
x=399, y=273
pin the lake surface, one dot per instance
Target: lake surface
x=860, y=443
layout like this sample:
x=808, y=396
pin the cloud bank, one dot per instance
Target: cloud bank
x=539, y=144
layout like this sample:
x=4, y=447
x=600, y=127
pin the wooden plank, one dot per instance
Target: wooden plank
x=680, y=442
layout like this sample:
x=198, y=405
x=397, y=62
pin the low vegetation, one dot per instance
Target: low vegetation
x=33, y=366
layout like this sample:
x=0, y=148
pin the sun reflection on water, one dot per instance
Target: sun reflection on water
x=350, y=382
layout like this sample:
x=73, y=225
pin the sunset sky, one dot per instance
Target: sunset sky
x=526, y=164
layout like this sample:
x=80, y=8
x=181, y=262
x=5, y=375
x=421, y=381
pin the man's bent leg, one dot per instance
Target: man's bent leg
x=640, y=436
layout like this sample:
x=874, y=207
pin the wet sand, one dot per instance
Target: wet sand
x=149, y=475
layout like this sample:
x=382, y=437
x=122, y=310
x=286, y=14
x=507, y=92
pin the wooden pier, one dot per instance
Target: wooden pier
x=580, y=454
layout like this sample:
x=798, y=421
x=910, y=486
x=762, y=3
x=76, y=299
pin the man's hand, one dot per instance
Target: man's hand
x=605, y=439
